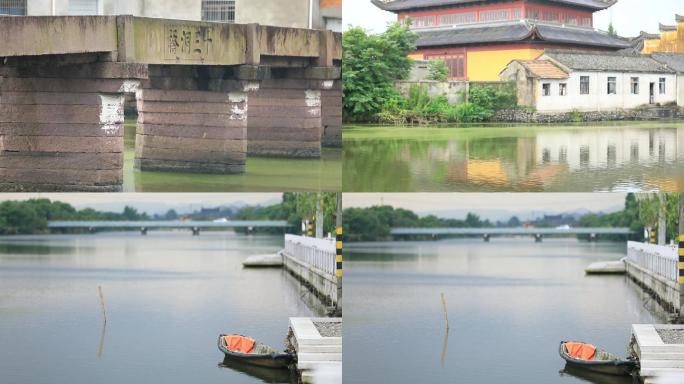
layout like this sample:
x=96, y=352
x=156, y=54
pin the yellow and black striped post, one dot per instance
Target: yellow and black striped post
x=681, y=262
x=652, y=236
x=338, y=255
x=309, y=229
x=338, y=263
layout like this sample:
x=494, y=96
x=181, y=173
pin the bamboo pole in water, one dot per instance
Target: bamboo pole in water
x=104, y=312
x=444, y=307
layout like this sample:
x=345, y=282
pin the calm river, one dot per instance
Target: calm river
x=263, y=174
x=612, y=157
x=510, y=302
x=168, y=296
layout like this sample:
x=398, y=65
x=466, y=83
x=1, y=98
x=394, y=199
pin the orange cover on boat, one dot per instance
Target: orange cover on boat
x=580, y=350
x=237, y=343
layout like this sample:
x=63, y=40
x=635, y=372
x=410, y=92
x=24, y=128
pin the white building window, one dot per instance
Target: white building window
x=563, y=89
x=635, y=85
x=612, y=86
x=218, y=10
x=83, y=7
x=13, y=7
x=584, y=85
x=546, y=89
x=661, y=85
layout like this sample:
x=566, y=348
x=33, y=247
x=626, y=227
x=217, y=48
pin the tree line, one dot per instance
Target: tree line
x=640, y=211
x=32, y=216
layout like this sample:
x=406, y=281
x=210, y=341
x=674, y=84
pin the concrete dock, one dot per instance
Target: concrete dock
x=660, y=348
x=655, y=268
x=318, y=344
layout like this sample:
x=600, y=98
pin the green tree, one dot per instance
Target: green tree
x=370, y=65
x=611, y=29
x=438, y=70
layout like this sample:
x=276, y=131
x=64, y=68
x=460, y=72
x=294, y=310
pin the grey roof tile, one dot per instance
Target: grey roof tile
x=516, y=31
x=606, y=61
x=674, y=61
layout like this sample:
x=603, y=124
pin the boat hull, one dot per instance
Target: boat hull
x=606, y=367
x=271, y=360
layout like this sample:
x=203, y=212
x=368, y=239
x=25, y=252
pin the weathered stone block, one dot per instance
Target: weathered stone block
x=53, y=141
x=285, y=122
x=192, y=131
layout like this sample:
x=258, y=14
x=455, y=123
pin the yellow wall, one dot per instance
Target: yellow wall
x=669, y=42
x=486, y=65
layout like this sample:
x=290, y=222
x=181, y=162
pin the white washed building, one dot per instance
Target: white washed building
x=564, y=81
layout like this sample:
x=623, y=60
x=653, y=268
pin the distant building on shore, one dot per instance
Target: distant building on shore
x=478, y=38
x=316, y=14
x=670, y=39
x=563, y=81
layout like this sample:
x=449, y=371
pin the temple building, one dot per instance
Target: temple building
x=478, y=38
x=670, y=39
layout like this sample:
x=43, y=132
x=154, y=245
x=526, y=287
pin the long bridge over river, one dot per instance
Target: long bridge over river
x=208, y=94
x=486, y=233
x=144, y=226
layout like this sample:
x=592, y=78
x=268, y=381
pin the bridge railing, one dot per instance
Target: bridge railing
x=660, y=259
x=318, y=253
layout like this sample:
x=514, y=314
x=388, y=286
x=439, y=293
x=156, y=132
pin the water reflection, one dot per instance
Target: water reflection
x=266, y=375
x=541, y=158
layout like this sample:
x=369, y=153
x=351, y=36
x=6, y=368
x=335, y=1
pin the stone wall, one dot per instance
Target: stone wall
x=455, y=91
x=528, y=116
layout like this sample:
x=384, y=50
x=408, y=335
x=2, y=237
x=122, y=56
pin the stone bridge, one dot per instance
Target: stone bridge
x=208, y=94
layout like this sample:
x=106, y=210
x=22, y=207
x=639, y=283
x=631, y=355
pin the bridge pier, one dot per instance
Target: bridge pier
x=538, y=238
x=593, y=237
x=485, y=237
x=61, y=122
x=195, y=231
x=285, y=114
x=143, y=231
x=331, y=110
x=192, y=120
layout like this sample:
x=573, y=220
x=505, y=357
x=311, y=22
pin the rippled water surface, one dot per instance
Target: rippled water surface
x=168, y=296
x=510, y=302
x=618, y=157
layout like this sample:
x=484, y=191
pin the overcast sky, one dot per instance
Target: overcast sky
x=494, y=206
x=151, y=202
x=629, y=16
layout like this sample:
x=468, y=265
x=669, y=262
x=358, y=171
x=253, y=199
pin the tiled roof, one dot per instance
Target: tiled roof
x=667, y=28
x=674, y=61
x=402, y=5
x=473, y=35
x=606, y=61
x=516, y=32
x=543, y=69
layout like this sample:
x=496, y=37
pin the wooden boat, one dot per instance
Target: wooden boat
x=249, y=351
x=588, y=357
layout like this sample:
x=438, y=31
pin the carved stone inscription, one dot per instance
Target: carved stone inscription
x=187, y=42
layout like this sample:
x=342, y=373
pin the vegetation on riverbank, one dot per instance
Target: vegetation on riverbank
x=372, y=63
x=640, y=211
x=32, y=216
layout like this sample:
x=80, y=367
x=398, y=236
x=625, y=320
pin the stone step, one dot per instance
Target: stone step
x=319, y=356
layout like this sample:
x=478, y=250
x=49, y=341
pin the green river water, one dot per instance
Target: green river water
x=634, y=156
x=263, y=174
